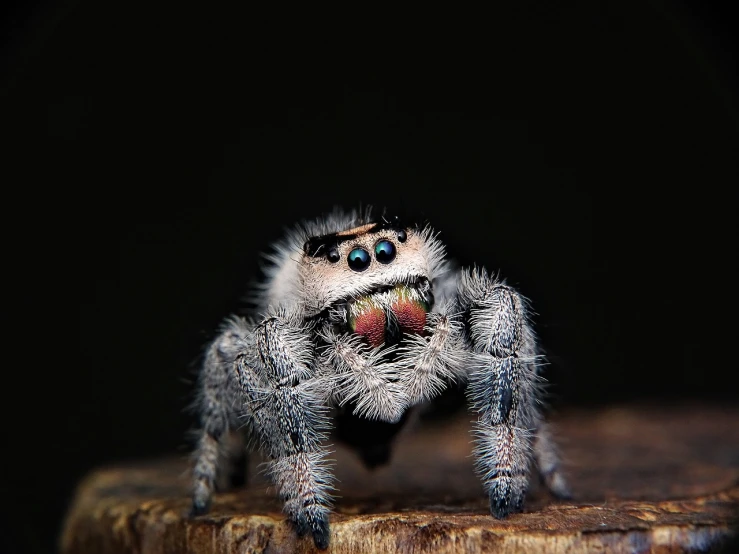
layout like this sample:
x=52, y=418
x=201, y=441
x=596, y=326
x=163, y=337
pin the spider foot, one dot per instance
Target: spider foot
x=558, y=487
x=317, y=525
x=504, y=500
x=321, y=533
x=200, y=507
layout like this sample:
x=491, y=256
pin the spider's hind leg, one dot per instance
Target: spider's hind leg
x=547, y=462
x=219, y=446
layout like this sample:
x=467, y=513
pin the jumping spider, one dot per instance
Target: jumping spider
x=364, y=317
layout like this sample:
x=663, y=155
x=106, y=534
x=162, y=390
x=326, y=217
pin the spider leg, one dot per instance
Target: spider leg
x=547, y=460
x=219, y=408
x=503, y=389
x=285, y=402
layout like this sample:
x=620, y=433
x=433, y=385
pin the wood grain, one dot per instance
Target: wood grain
x=645, y=479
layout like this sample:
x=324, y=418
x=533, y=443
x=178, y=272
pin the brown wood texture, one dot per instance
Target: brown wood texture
x=645, y=479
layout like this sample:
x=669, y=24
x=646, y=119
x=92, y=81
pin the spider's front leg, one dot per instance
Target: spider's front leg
x=503, y=390
x=286, y=404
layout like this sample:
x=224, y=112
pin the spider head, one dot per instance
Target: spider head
x=367, y=260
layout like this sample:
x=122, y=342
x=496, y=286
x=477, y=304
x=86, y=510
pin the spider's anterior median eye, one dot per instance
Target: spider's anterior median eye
x=359, y=259
x=385, y=251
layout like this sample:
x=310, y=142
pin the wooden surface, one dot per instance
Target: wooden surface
x=644, y=480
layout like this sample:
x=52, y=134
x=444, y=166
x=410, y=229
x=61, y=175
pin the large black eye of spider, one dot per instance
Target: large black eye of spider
x=385, y=251
x=359, y=259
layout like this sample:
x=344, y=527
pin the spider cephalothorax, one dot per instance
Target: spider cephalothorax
x=365, y=316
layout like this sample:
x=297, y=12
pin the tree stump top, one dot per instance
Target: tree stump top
x=644, y=479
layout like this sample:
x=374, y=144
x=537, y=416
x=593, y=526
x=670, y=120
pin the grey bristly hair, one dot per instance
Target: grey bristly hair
x=278, y=375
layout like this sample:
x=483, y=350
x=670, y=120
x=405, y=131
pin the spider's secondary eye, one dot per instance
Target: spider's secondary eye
x=359, y=259
x=402, y=235
x=333, y=255
x=385, y=251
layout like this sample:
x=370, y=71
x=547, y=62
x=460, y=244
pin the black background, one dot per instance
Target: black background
x=587, y=151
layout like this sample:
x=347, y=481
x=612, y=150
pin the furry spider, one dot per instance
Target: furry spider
x=364, y=318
